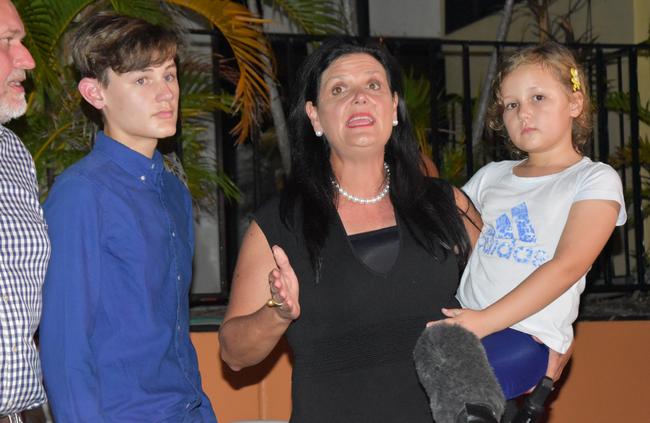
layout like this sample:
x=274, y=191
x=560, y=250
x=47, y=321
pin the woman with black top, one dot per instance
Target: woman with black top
x=359, y=252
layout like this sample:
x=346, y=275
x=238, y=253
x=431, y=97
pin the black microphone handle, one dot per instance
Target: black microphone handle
x=534, y=404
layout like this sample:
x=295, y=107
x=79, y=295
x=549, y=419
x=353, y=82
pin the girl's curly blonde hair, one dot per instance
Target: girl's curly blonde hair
x=560, y=61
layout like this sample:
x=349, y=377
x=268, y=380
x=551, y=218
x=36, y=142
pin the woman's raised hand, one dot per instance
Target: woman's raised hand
x=283, y=284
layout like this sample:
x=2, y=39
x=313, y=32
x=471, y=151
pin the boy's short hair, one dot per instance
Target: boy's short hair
x=120, y=43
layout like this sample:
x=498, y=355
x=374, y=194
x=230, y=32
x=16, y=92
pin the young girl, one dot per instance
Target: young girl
x=546, y=218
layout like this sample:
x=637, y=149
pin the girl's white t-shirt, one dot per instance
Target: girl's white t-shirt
x=523, y=219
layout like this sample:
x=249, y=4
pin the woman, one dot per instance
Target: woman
x=358, y=254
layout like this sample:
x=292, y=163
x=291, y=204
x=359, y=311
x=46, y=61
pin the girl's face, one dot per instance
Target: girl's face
x=538, y=110
x=355, y=107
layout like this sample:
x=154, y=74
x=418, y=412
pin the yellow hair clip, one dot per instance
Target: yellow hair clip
x=575, y=79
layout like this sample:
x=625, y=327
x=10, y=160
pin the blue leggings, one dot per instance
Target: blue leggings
x=518, y=361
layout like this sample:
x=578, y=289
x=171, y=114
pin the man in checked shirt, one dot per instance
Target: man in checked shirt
x=24, y=245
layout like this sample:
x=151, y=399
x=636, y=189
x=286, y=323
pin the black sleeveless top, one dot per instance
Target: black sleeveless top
x=353, y=342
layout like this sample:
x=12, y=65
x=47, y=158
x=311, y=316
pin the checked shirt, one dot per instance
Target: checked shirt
x=24, y=253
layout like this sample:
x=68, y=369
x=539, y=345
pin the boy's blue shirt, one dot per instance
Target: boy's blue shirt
x=114, y=334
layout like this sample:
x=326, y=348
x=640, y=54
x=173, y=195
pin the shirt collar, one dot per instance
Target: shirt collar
x=6, y=134
x=143, y=168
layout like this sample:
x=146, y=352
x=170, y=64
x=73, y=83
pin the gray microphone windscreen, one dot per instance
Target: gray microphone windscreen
x=454, y=371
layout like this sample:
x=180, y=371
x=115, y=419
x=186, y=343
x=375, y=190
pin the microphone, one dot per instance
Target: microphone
x=454, y=371
x=534, y=403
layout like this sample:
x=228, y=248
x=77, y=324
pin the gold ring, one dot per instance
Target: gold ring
x=272, y=303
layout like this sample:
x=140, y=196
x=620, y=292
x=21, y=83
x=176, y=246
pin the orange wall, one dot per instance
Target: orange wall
x=607, y=381
x=259, y=392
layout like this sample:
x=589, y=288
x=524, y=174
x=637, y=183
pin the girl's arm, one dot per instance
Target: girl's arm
x=588, y=227
x=251, y=329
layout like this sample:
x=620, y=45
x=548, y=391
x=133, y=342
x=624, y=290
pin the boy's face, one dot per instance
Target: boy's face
x=140, y=107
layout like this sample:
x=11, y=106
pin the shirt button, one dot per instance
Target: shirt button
x=5, y=298
x=153, y=165
x=178, y=327
x=143, y=178
x=178, y=277
x=14, y=348
x=174, y=234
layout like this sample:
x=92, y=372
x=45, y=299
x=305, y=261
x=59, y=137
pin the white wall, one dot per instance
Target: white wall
x=406, y=18
x=396, y=18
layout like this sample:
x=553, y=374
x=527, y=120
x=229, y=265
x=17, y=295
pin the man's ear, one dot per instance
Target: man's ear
x=91, y=91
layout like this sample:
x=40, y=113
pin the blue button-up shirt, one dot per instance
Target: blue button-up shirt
x=115, y=343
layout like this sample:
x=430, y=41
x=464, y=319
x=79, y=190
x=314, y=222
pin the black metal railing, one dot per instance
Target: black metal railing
x=611, y=68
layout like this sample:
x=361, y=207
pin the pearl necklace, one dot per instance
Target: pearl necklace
x=372, y=200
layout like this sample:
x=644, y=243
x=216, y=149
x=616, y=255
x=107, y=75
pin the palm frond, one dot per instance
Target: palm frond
x=58, y=133
x=198, y=102
x=417, y=96
x=146, y=9
x=620, y=102
x=201, y=105
x=452, y=167
x=244, y=34
x=313, y=16
x=622, y=158
x=197, y=97
x=204, y=178
x=46, y=21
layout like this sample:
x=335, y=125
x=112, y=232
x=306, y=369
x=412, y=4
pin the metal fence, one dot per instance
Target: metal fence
x=454, y=71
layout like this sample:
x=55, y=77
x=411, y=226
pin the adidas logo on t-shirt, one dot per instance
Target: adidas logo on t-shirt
x=513, y=238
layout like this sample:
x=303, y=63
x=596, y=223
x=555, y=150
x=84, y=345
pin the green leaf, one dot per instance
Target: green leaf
x=46, y=22
x=620, y=102
x=312, y=16
x=145, y=9
x=243, y=32
x=417, y=96
x=58, y=133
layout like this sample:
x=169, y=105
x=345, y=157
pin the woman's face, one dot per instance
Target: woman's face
x=355, y=107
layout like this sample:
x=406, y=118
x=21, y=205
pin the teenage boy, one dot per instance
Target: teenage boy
x=115, y=342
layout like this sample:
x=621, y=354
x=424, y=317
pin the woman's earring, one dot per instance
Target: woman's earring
x=318, y=133
x=395, y=122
